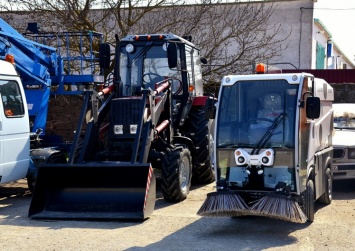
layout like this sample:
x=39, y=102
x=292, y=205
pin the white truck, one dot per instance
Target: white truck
x=273, y=147
x=14, y=126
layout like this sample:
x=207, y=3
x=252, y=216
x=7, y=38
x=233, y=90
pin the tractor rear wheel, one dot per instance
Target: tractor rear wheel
x=176, y=173
x=200, y=130
x=309, y=205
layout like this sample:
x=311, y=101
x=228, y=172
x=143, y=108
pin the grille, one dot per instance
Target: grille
x=346, y=167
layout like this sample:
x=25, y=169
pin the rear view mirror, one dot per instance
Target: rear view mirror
x=313, y=107
x=172, y=55
x=210, y=108
x=105, y=56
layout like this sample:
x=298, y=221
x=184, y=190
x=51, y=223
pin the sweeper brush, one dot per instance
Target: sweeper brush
x=279, y=208
x=223, y=204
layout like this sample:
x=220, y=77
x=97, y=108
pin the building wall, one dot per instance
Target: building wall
x=296, y=18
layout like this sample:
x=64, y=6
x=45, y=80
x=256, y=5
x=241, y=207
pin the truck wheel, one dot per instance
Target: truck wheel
x=199, y=130
x=32, y=175
x=176, y=174
x=327, y=197
x=309, y=201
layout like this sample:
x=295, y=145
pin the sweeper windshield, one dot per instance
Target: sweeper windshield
x=255, y=139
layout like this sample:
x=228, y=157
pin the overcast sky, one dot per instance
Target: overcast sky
x=338, y=16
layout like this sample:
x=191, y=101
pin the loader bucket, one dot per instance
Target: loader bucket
x=95, y=190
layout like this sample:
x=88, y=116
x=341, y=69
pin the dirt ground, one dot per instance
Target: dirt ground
x=177, y=227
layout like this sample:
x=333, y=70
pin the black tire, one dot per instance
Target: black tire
x=327, y=197
x=176, y=174
x=32, y=176
x=309, y=205
x=199, y=129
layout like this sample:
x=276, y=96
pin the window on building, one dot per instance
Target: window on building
x=320, y=56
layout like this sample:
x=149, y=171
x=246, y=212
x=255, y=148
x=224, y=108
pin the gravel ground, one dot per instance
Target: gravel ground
x=177, y=227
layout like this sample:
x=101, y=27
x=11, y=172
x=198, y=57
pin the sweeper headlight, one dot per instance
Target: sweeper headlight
x=265, y=160
x=267, y=157
x=241, y=157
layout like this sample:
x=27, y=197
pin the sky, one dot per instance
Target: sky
x=338, y=16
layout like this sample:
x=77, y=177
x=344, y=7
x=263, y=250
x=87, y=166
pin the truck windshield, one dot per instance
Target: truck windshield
x=344, y=116
x=144, y=68
x=256, y=114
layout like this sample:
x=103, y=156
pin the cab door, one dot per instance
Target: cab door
x=14, y=131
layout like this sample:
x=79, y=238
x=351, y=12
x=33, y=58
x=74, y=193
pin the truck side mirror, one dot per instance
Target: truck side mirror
x=172, y=55
x=313, y=107
x=104, y=56
x=210, y=108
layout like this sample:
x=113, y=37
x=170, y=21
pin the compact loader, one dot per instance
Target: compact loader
x=147, y=120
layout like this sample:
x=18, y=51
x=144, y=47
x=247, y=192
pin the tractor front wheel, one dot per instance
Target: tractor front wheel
x=176, y=173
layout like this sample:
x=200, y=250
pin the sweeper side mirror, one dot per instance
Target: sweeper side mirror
x=313, y=107
x=210, y=108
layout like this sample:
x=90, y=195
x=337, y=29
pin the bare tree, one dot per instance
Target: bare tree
x=232, y=35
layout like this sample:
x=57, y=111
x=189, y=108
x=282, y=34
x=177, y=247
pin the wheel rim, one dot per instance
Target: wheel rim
x=330, y=187
x=184, y=173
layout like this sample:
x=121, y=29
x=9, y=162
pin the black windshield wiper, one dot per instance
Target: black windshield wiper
x=267, y=135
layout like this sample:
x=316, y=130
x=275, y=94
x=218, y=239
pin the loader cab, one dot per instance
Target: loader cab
x=147, y=61
x=143, y=64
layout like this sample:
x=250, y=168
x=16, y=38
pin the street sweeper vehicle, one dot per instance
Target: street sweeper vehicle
x=273, y=147
x=148, y=120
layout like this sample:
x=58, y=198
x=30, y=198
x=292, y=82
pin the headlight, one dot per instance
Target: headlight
x=265, y=160
x=241, y=159
x=118, y=129
x=129, y=48
x=351, y=153
x=133, y=129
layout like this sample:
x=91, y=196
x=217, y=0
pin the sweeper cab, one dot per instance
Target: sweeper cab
x=273, y=147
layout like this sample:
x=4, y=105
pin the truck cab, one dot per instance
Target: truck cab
x=14, y=126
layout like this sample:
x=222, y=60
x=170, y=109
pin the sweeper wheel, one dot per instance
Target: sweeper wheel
x=200, y=130
x=176, y=173
x=327, y=197
x=309, y=206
